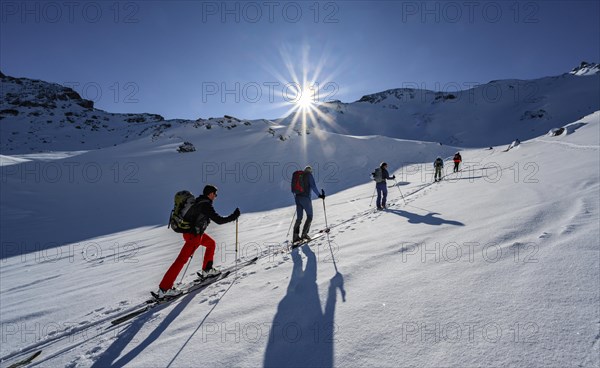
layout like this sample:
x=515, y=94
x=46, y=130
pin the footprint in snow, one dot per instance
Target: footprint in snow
x=73, y=363
x=544, y=235
x=93, y=351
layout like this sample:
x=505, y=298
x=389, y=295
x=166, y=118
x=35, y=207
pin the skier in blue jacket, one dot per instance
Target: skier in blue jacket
x=381, y=175
x=304, y=204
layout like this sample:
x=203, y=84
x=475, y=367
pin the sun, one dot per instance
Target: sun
x=305, y=99
x=306, y=89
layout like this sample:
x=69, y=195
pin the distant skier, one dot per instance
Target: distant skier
x=200, y=214
x=438, y=165
x=457, y=160
x=302, y=184
x=380, y=175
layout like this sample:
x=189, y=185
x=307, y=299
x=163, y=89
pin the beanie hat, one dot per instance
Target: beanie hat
x=308, y=169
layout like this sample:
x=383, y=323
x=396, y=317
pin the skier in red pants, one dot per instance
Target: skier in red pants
x=200, y=215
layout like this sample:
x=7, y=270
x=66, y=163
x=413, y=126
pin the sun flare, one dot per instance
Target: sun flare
x=305, y=99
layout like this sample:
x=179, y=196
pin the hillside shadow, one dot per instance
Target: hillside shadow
x=303, y=335
x=428, y=219
x=110, y=357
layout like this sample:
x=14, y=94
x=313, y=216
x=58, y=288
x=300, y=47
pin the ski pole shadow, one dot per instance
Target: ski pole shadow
x=429, y=219
x=110, y=357
x=303, y=335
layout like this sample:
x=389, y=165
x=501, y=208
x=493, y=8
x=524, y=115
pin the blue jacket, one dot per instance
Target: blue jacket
x=311, y=186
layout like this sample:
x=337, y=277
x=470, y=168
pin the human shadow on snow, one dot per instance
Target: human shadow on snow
x=302, y=334
x=109, y=357
x=429, y=219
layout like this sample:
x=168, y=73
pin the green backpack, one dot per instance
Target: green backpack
x=377, y=175
x=183, y=202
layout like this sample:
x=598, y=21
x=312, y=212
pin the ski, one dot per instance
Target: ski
x=189, y=288
x=197, y=284
x=26, y=360
x=301, y=242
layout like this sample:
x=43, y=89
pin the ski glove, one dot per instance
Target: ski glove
x=322, y=196
x=394, y=177
x=236, y=213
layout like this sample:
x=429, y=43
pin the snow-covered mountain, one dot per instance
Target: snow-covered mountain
x=497, y=265
x=37, y=116
x=586, y=68
x=485, y=115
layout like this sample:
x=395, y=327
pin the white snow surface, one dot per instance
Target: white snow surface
x=497, y=265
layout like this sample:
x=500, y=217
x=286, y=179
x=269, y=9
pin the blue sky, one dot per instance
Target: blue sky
x=192, y=59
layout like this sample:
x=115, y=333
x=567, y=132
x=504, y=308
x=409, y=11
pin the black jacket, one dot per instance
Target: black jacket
x=201, y=212
x=385, y=175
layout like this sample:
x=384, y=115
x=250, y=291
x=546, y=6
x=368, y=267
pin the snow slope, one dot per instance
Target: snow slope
x=497, y=265
x=132, y=185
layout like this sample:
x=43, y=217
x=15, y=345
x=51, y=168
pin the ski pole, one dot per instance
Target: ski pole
x=373, y=196
x=327, y=232
x=397, y=186
x=236, y=247
x=290, y=228
x=325, y=211
x=186, y=268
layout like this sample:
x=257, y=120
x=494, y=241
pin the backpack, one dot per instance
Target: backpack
x=183, y=202
x=377, y=175
x=299, y=182
x=438, y=162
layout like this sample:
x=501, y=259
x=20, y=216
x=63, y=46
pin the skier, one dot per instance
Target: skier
x=302, y=183
x=200, y=214
x=380, y=176
x=457, y=161
x=438, y=164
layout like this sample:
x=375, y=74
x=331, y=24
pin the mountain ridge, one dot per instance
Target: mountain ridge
x=39, y=116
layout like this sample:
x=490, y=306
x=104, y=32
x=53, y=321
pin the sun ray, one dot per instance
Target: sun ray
x=303, y=92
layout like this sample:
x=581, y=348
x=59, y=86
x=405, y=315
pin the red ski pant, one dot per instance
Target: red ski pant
x=192, y=242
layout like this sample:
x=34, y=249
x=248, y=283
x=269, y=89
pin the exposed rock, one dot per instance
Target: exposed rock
x=186, y=147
